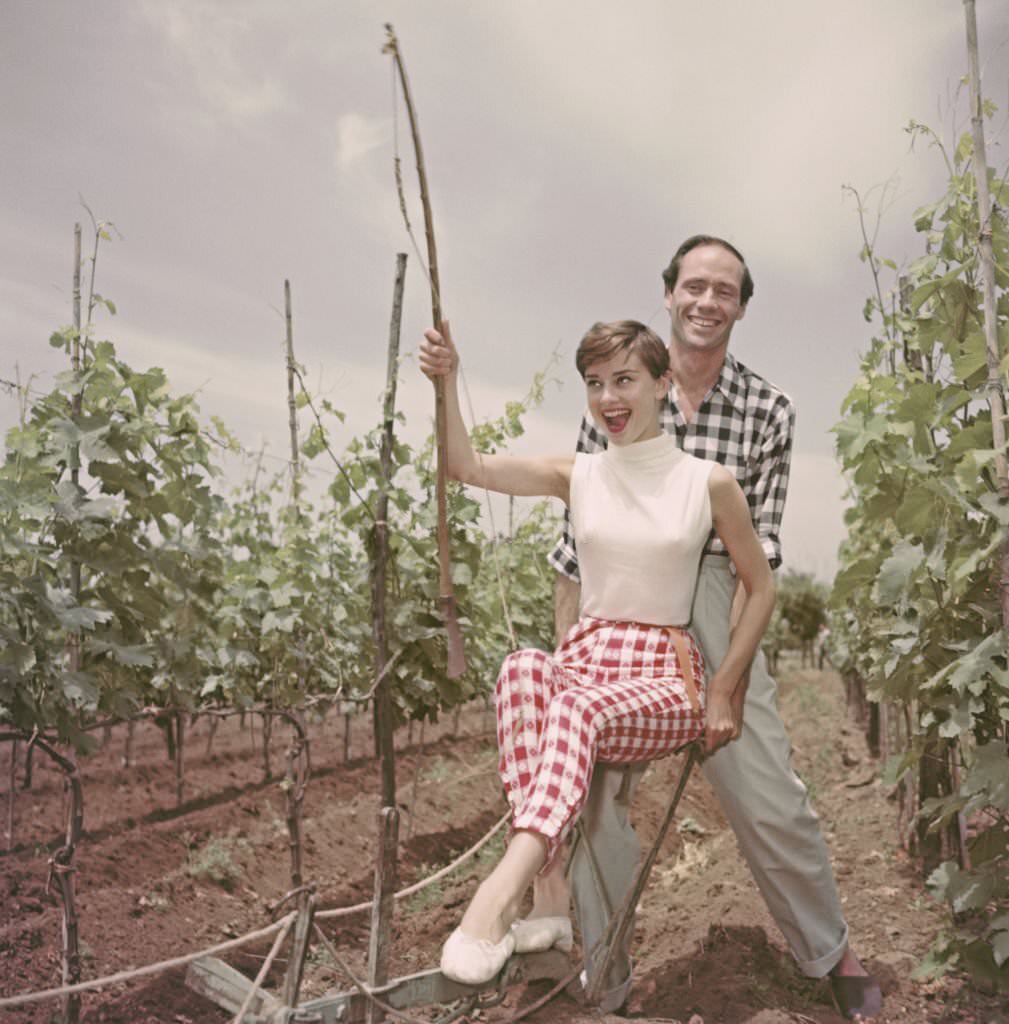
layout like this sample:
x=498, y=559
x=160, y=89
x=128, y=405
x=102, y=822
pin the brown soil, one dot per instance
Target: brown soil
x=706, y=949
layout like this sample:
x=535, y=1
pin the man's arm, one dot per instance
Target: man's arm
x=567, y=597
x=769, y=490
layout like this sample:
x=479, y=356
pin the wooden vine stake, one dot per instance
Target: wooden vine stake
x=61, y=872
x=292, y=404
x=12, y=779
x=996, y=399
x=386, y=880
x=380, y=549
x=299, y=769
x=446, y=598
x=74, y=637
x=388, y=815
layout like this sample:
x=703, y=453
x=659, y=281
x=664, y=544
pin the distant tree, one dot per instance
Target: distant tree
x=802, y=607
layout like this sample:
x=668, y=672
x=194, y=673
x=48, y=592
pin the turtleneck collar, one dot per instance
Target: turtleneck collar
x=643, y=451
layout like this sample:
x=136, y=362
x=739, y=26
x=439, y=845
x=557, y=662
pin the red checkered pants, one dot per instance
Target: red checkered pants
x=613, y=692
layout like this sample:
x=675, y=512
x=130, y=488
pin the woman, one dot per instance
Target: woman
x=626, y=682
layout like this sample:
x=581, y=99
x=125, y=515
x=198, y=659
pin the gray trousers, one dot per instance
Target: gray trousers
x=777, y=830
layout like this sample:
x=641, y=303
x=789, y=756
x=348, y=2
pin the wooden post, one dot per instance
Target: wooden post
x=382, y=906
x=180, y=743
x=884, y=731
x=296, y=778
x=292, y=425
x=383, y=702
x=267, y=722
x=10, y=794
x=934, y=780
x=26, y=780
x=74, y=637
x=416, y=783
x=873, y=735
x=299, y=948
x=292, y=407
x=962, y=849
x=62, y=870
x=996, y=397
x=212, y=723
x=127, y=758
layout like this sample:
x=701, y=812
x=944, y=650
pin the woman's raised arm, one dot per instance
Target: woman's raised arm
x=507, y=474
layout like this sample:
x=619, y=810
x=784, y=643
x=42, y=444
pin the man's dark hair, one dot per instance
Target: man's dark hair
x=672, y=272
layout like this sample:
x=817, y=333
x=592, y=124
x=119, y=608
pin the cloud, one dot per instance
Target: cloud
x=217, y=42
x=357, y=136
x=720, y=127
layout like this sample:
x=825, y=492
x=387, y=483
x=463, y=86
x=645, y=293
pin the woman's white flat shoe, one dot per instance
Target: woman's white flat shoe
x=474, y=961
x=535, y=934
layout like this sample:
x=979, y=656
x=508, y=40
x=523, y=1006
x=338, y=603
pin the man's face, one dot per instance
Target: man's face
x=704, y=304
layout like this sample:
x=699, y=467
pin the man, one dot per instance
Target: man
x=721, y=410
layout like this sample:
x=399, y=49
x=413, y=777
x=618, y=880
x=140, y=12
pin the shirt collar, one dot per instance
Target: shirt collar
x=732, y=383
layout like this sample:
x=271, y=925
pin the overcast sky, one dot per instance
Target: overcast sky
x=570, y=147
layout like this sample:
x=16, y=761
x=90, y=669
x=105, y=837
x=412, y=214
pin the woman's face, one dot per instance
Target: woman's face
x=624, y=398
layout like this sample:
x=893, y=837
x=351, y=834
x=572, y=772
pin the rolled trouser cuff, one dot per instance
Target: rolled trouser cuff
x=611, y=999
x=823, y=965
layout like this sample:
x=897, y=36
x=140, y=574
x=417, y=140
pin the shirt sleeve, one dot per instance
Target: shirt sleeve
x=771, y=485
x=564, y=557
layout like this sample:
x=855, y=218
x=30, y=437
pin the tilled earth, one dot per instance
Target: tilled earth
x=156, y=880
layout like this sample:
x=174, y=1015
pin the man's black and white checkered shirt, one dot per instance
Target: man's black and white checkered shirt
x=746, y=424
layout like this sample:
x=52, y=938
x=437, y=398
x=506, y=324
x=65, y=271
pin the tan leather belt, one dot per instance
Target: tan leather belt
x=678, y=637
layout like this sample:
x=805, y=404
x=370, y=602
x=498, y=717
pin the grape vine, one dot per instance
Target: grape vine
x=916, y=619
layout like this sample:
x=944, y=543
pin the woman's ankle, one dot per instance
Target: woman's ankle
x=551, y=899
x=551, y=905
x=487, y=917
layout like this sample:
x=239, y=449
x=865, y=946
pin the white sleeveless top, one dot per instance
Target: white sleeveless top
x=640, y=515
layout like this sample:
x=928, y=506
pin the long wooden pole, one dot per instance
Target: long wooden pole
x=74, y=639
x=996, y=398
x=388, y=821
x=446, y=598
x=383, y=702
x=292, y=406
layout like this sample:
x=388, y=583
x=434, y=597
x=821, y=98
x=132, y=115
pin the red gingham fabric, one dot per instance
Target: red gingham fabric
x=612, y=692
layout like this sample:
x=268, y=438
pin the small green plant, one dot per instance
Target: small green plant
x=689, y=826
x=436, y=771
x=320, y=956
x=427, y=898
x=214, y=862
x=154, y=901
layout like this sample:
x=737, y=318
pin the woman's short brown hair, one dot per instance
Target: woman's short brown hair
x=603, y=341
